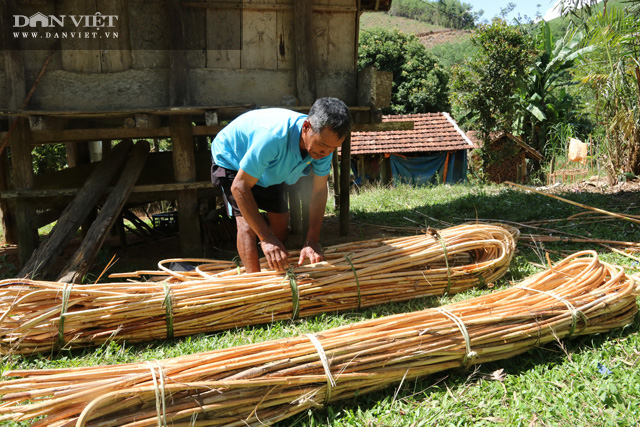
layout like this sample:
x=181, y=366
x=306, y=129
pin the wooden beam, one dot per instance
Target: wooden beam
x=70, y=192
x=39, y=137
x=264, y=6
x=345, y=184
x=76, y=213
x=162, y=111
x=74, y=135
x=184, y=167
x=178, y=66
x=81, y=261
x=304, y=51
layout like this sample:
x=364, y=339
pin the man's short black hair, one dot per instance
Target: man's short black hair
x=330, y=113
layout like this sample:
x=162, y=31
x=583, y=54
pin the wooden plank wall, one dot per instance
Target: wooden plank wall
x=235, y=54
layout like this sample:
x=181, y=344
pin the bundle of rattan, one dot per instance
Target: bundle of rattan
x=39, y=316
x=262, y=383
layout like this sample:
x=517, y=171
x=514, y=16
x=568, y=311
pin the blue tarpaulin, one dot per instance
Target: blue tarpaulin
x=428, y=170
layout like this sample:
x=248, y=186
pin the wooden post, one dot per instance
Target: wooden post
x=345, y=183
x=106, y=148
x=304, y=51
x=20, y=139
x=446, y=168
x=22, y=166
x=336, y=179
x=79, y=264
x=384, y=175
x=76, y=213
x=77, y=153
x=7, y=220
x=184, y=163
x=184, y=168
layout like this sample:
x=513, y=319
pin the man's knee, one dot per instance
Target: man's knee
x=244, y=228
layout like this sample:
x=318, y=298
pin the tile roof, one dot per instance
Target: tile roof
x=431, y=132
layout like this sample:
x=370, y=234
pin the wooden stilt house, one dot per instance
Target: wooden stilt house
x=76, y=72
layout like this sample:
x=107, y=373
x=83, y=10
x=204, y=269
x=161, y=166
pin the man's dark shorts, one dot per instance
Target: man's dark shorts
x=270, y=199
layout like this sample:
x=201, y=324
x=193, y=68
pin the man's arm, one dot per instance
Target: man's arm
x=312, y=248
x=275, y=252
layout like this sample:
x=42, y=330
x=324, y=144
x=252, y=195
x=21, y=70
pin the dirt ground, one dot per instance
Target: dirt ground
x=145, y=254
x=597, y=185
x=433, y=38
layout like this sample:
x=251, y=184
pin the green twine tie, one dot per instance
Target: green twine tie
x=66, y=293
x=295, y=293
x=439, y=238
x=237, y=261
x=168, y=307
x=470, y=355
x=357, y=281
x=574, y=311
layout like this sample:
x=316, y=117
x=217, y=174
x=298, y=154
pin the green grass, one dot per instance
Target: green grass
x=588, y=380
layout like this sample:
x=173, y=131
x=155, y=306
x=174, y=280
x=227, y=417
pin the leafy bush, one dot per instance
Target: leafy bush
x=420, y=85
x=49, y=158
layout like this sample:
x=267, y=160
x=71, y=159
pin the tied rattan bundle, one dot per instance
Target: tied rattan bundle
x=263, y=383
x=40, y=316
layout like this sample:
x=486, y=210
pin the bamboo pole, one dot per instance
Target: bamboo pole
x=571, y=202
x=39, y=316
x=267, y=382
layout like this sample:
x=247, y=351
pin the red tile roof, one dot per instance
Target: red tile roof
x=431, y=132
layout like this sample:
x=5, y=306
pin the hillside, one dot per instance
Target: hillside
x=430, y=35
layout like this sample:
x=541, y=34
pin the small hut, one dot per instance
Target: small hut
x=434, y=151
x=508, y=156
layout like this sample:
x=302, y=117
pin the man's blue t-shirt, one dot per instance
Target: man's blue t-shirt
x=266, y=145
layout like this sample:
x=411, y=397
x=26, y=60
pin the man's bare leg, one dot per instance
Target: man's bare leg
x=247, y=246
x=279, y=222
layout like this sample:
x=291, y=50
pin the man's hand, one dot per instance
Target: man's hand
x=313, y=251
x=275, y=252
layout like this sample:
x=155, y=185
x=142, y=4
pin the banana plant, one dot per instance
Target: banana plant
x=544, y=95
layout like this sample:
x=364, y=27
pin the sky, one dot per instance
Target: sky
x=523, y=7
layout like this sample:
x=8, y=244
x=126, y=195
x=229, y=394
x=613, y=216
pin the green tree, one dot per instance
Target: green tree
x=612, y=72
x=486, y=89
x=420, y=85
x=445, y=13
x=49, y=158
